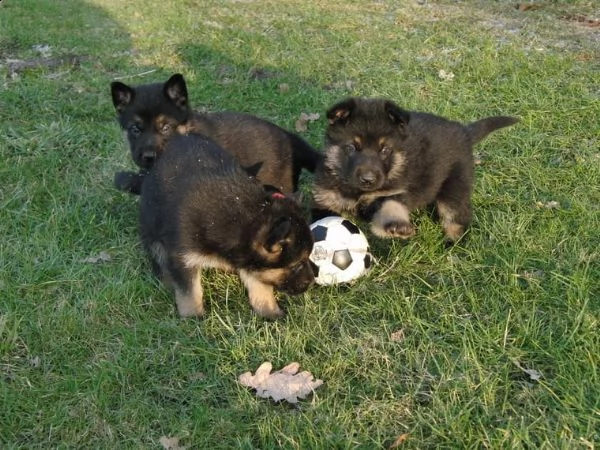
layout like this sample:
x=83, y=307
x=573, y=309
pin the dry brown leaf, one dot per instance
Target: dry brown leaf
x=528, y=6
x=302, y=122
x=553, y=204
x=399, y=441
x=170, y=443
x=285, y=384
x=397, y=336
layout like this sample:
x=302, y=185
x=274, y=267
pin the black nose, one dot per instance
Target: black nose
x=367, y=178
x=148, y=158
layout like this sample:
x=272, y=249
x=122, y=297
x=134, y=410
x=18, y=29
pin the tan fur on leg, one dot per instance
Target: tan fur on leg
x=262, y=296
x=190, y=304
x=453, y=230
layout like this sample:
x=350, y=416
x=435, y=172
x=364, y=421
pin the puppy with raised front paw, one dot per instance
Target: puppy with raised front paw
x=381, y=162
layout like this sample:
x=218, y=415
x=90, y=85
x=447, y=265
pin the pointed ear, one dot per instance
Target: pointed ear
x=253, y=169
x=277, y=235
x=397, y=115
x=340, y=113
x=271, y=239
x=176, y=90
x=122, y=95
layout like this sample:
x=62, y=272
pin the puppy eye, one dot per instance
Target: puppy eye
x=385, y=151
x=166, y=128
x=135, y=130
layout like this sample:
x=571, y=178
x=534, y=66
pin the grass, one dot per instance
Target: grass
x=432, y=344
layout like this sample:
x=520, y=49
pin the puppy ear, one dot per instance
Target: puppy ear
x=397, y=115
x=340, y=112
x=122, y=95
x=277, y=235
x=176, y=90
x=272, y=238
x=253, y=169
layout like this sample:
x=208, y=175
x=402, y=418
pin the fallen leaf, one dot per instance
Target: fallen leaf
x=285, y=384
x=528, y=6
x=399, y=441
x=301, y=123
x=397, y=336
x=170, y=443
x=258, y=73
x=346, y=85
x=446, y=76
x=548, y=205
x=284, y=87
x=583, y=20
x=100, y=258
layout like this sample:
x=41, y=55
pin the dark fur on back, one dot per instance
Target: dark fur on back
x=199, y=209
x=381, y=162
x=150, y=114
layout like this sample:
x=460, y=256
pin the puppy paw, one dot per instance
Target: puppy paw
x=129, y=182
x=402, y=230
x=395, y=229
x=270, y=313
x=453, y=231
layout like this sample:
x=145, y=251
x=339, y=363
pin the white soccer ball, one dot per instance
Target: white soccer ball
x=341, y=251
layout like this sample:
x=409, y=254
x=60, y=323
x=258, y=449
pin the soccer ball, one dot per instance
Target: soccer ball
x=341, y=251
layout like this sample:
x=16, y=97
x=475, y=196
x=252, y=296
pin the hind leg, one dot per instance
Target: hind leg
x=187, y=284
x=392, y=220
x=454, y=204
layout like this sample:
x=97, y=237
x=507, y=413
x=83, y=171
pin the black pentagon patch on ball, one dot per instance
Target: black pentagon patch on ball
x=353, y=229
x=314, y=268
x=368, y=260
x=341, y=259
x=319, y=233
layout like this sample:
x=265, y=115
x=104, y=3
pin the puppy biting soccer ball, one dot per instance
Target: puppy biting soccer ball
x=381, y=162
x=341, y=251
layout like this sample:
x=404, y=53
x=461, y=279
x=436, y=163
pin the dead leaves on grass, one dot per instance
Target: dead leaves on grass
x=304, y=119
x=285, y=384
x=99, y=258
x=170, y=443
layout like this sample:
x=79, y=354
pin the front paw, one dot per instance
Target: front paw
x=394, y=229
x=129, y=182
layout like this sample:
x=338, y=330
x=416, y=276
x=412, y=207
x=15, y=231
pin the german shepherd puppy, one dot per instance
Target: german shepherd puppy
x=200, y=209
x=151, y=113
x=381, y=162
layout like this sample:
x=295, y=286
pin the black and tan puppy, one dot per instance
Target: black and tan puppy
x=381, y=162
x=200, y=209
x=151, y=113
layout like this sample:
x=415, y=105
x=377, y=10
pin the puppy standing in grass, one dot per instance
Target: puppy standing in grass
x=151, y=113
x=200, y=209
x=381, y=162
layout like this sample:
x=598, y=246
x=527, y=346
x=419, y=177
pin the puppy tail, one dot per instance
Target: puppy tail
x=480, y=129
x=305, y=156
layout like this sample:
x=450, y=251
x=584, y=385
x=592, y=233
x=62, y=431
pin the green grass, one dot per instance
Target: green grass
x=432, y=343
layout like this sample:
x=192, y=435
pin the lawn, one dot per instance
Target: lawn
x=494, y=343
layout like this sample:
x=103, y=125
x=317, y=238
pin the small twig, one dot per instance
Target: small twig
x=136, y=75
